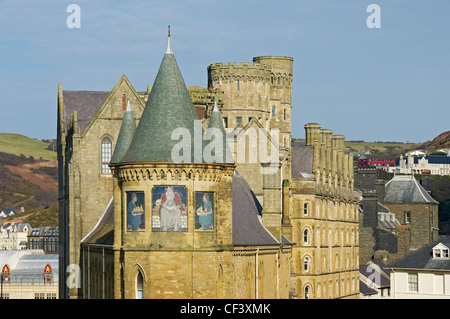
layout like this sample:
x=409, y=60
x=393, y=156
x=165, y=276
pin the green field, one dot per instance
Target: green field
x=384, y=148
x=18, y=144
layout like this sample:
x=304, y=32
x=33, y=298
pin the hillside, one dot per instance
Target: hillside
x=28, y=179
x=17, y=144
x=439, y=142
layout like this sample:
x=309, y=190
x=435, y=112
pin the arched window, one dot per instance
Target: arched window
x=307, y=290
x=306, y=237
x=305, y=209
x=48, y=273
x=306, y=264
x=106, y=155
x=139, y=286
x=5, y=273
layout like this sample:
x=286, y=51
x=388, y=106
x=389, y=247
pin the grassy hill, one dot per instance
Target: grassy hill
x=394, y=149
x=16, y=144
x=28, y=179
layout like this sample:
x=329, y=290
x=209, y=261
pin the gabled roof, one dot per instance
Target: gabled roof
x=247, y=227
x=85, y=103
x=89, y=104
x=423, y=258
x=8, y=211
x=406, y=189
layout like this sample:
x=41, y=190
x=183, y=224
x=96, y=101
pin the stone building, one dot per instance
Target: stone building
x=212, y=246
x=285, y=222
x=323, y=210
x=412, y=206
x=397, y=216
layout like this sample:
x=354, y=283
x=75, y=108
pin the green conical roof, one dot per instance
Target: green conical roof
x=218, y=150
x=126, y=134
x=167, y=122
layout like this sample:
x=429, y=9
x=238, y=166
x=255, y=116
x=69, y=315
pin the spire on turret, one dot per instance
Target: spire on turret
x=224, y=155
x=169, y=111
x=126, y=134
x=169, y=45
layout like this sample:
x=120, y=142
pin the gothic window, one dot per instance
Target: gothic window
x=305, y=209
x=5, y=273
x=306, y=237
x=238, y=86
x=139, y=286
x=48, y=273
x=307, y=290
x=306, y=264
x=106, y=155
x=284, y=114
x=225, y=122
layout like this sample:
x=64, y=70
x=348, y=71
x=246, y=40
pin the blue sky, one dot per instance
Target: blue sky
x=381, y=84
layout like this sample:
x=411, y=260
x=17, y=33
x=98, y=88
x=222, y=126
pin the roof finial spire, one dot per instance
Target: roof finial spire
x=169, y=46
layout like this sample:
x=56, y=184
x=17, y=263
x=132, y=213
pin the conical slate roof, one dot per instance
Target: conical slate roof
x=167, y=122
x=126, y=134
x=218, y=150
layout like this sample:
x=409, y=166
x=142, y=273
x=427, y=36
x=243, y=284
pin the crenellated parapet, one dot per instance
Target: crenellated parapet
x=172, y=172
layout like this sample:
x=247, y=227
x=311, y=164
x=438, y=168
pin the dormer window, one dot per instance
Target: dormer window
x=440, y=251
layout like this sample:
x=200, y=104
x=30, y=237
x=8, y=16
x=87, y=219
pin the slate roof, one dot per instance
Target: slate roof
x=103, y=232
x=432, y=159
x=86, y=103
x=247, y=227
x=406, y=189
x=169, y=107
x=365, y=289
x=301, y=159
x=45, y=232
x=423, y=258
x=125, y=137
x=216, y=122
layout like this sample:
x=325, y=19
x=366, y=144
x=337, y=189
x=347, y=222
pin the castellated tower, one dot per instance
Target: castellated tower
x=257, y=95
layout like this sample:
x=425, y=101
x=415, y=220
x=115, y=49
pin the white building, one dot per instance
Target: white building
x=14, y=236
x=434, y=165
x=423, y=274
